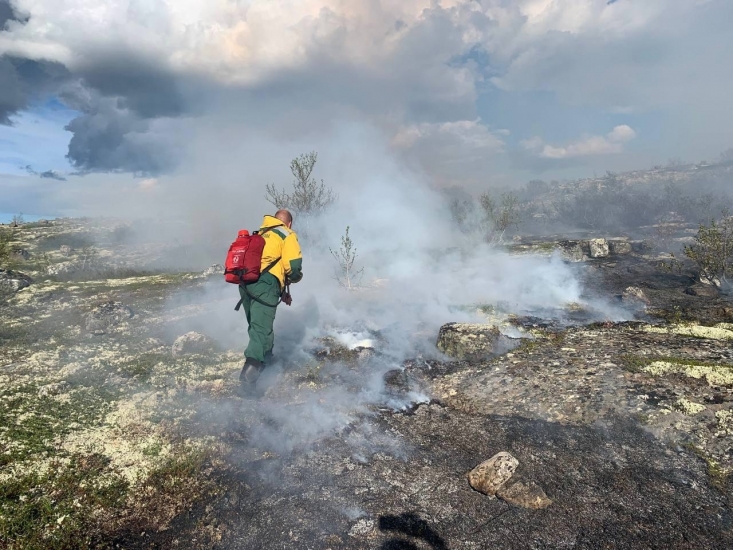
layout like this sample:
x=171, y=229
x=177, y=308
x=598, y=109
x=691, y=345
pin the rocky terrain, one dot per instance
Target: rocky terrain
x=121, y=426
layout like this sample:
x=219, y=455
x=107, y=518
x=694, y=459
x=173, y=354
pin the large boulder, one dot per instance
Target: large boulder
x=491, y=475
x=468, y=341
x=13, y=281
x=572, y=251
x=192, y=343
x=598, y=248
x=107, y=315
x=619, y=247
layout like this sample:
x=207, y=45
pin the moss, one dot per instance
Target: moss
x=30, y=423
x=177, y=470
x=143, y=365
x=61, y=508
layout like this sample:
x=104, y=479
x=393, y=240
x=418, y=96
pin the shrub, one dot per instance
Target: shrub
x=712, y=251
x=308, y=196
x=500, y=215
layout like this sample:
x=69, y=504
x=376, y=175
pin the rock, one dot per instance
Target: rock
x=619, y=247
x=527, y=495
x=63, y=268
x=709, y=280
x=13, y=281
x=468, y=341
x=702, y=290
x=361, y=528
x=66, y=250
x=216, y=269
x=598, y=248
x=489, y=476
x=107, y=315
x=634, y=295
x=192, y=343
x=572, y=251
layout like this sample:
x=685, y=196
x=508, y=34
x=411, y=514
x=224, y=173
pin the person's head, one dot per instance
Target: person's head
x=285, y=216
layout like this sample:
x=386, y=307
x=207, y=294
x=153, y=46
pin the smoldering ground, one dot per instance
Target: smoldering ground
x=419, y=272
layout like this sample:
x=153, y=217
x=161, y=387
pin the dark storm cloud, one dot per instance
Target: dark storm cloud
x=25, y=80
x=142, y=87
x=9, y=13
x=110, y=138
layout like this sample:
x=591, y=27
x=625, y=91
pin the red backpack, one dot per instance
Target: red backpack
x=244, y=259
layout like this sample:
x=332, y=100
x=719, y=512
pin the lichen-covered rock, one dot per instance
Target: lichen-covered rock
x=489, y=476
x=192, y=343
x=525, y=494
x=598, y=248
x=107, y=315
x=468, y=341
x=63, y=268
x=619, y=247
x=633, y=295
x=572, y=251
x=13, y=281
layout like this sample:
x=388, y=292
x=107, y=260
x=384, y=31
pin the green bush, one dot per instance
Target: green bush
x=712, y=251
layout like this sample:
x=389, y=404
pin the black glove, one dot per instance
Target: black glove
x=286, y=298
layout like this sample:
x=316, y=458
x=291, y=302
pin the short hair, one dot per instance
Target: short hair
x=284, y=216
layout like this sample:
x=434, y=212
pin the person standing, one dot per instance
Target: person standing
x=282, y=264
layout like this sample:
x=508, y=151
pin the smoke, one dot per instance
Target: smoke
x=419, y=272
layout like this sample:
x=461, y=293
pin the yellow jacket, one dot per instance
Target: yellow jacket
x=281, y=242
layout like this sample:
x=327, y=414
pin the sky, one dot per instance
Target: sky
x=135, y=105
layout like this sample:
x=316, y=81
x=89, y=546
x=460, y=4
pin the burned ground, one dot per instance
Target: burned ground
x=109, y=439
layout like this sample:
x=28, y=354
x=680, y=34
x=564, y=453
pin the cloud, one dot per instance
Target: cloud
x=141, y=72
x=48, y=174
x=110, y=137
x=23, y=80
x=450, y=150
x=610, y=144
x=8, y=14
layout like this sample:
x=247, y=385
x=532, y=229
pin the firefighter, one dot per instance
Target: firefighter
x=260, y=300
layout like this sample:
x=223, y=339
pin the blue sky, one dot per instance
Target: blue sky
x=37, y=138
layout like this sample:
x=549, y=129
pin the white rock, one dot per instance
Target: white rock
x=491, y=475
x=598, y=248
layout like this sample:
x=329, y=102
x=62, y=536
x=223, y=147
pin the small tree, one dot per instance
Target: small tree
x=308, y=196
x=500, y=215
x=346, y=256
x=18, y=219
x=712, y=251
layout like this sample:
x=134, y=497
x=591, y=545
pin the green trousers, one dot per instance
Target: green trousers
x=260, y=317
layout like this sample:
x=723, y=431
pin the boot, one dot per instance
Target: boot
x=250, y=372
